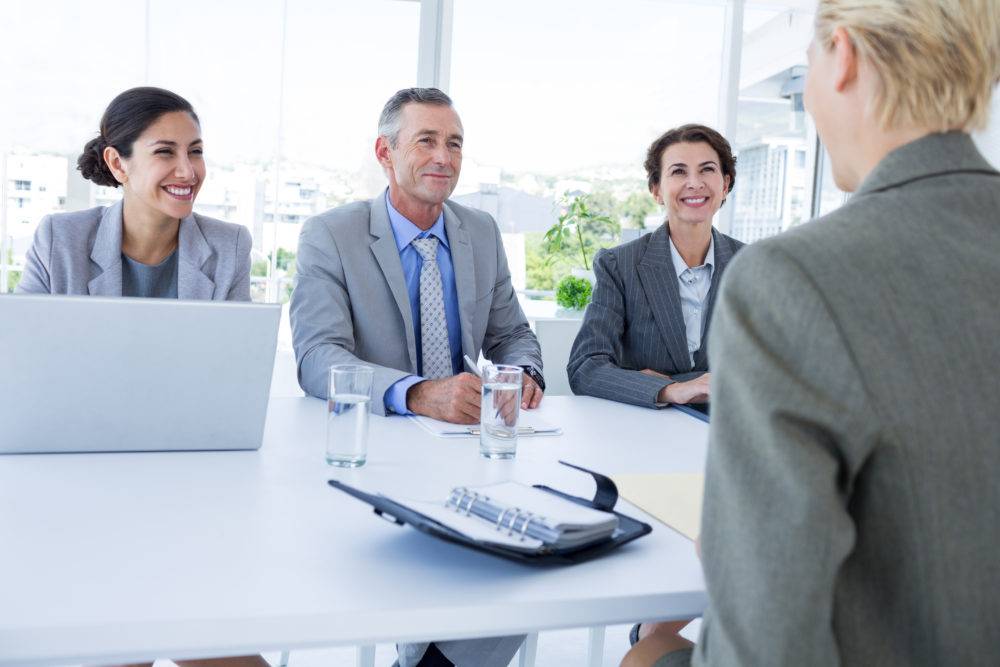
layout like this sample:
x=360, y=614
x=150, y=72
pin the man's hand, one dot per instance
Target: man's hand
x=692, y=391
x=531, y=393
x=455, y=399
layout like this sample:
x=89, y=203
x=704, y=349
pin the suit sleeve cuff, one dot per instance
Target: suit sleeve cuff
x=395, y=395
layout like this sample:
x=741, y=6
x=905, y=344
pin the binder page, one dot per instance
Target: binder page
x=672, y=498
x=558, y=513
x=471, y=526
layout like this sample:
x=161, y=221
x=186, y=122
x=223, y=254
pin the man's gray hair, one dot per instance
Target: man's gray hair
x=388, y=122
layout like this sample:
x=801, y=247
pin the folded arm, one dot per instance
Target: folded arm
x=594, y=367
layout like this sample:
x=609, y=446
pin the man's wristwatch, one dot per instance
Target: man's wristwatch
x=535, y=375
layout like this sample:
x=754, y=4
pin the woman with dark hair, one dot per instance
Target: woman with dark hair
x=151, y=243
x=643, y=335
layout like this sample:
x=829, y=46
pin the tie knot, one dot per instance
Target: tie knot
x=427, y=247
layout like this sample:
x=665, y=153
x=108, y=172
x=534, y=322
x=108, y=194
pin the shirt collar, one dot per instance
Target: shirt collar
x=405, y=231
x=679, y=265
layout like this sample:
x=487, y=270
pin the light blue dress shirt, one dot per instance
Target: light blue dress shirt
x=694, y=285
x=405, y=231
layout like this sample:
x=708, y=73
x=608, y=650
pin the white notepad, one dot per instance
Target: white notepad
x=529, y=425
x=509, y=514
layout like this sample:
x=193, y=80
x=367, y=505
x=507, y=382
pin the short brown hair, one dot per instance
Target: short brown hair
x=690, y=134
x=937, y=60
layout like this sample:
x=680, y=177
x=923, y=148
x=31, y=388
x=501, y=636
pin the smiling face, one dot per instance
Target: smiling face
x=424, y=165
x=691, y=185
x=166, y=169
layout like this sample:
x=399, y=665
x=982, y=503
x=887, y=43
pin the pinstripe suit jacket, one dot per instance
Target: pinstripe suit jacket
x=635, y=322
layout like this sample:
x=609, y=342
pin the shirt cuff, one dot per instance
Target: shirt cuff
x=395, y=395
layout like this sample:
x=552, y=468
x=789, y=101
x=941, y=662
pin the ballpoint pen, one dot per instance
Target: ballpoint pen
x=472, y=365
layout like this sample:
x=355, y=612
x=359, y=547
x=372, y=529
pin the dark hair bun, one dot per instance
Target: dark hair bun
x=92, y=165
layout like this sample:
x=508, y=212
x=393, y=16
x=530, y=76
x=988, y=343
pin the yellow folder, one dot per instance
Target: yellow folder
x=673, y=498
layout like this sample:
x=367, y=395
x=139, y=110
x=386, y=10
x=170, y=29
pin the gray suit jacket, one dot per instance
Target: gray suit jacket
x=81, y=253
x=350, y=303
x=852, y=501
x=634, y=322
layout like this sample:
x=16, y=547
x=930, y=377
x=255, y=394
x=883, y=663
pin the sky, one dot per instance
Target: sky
x=546, y=86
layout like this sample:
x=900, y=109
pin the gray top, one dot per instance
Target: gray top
x=852, y=503
x=80, y=252
x=156, y=281
x=693, y=284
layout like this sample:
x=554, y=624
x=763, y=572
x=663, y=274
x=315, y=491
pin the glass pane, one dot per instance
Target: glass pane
x=344, y=59
x=58, y=76
x=563, y=98
x=775, y=139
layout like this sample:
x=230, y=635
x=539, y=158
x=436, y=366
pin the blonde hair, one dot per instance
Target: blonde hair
x=937, y=60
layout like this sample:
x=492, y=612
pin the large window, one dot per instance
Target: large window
x=288, y=93
x=775, y=140
x=561, y=99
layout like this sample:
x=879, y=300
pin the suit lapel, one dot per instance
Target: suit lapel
x=106, y=255
x=659, y=282
x=463, y=261
x=192, y=253
x=723, y=253
x=387, y=255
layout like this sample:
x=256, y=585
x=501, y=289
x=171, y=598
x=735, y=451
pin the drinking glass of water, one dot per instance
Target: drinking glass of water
x=347, y=415
x=499, y=411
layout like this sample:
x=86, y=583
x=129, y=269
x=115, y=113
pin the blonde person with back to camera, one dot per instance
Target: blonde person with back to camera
x=851, y=498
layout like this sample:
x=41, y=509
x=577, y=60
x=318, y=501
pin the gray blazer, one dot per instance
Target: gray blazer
x=634, y=321
x=852, y=500
x=350, y=302
x=81, y=253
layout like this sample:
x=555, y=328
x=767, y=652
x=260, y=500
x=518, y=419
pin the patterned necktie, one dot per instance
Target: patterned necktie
x=434, y=347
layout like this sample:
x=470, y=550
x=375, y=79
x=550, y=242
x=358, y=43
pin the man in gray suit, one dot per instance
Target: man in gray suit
x=852, y=498
x=410, y=283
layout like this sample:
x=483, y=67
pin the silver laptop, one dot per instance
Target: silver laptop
x=92, y=374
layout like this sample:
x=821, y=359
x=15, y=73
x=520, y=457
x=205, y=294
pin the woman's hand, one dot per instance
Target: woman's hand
x=692, y=391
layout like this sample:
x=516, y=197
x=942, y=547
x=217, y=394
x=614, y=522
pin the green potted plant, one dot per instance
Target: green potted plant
x=573, y=235
x=573, y=293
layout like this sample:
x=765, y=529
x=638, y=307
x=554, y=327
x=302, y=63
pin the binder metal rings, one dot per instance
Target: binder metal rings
x=461, y=495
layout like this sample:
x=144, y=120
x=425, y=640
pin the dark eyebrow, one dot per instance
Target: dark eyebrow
x=435, y=133
x=682, y=164
x=166, y=142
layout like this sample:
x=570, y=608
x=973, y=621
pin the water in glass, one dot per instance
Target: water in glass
x=347, y=430
x=498, y=419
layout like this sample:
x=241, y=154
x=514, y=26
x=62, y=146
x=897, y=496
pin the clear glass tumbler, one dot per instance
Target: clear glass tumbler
x=501, y=407
x=350, y=392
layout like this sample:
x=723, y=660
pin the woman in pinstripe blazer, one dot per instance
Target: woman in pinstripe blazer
x=643, y=336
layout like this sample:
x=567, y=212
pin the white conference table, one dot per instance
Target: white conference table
x=110, y=557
